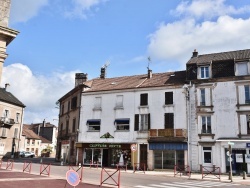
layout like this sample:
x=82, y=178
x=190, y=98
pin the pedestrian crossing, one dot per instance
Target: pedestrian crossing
x=188, y=184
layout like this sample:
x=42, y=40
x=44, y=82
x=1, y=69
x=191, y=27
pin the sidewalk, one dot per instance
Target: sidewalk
x=14, y=179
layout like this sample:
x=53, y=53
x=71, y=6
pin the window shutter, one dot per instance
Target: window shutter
x=144, y=99
x=169, y=120
x=168, y=97
x=136, y=122
x=148, y=121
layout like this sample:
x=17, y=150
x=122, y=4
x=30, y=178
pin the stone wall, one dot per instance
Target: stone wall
x=4, y=12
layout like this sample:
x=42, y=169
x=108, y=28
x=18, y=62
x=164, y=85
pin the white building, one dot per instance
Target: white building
x=146, y=110
x=219, y=110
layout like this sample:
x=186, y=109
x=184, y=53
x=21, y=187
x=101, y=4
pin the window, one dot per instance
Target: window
x=168, y=98
x=142, y=122
x=67, y=127
x=72, y=147
x=98, y=103
x=68, y=106
x=122, y=124
x=248, y=123
x=33, y=142
x=206, y=124
x=144, y=99
x=4, y=132
x=15, y=132
x=74, y=125
x=169, y=120
x=207, y=154
x=247, y=94
x=119, y=101
x=6, y=113
x=28, y=141
x=17, y=117
x=62, y=109
x=74, y=102
x=203, y=98
x=204, y=72
x=241, y=69
x=94, y=124
x=2, y=148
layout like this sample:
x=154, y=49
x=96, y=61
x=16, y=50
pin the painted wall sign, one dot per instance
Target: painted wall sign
x=239, y=158
x=106, y=145
x=248, y=145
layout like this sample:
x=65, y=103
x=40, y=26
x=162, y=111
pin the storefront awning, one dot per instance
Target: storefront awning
x=168, y=146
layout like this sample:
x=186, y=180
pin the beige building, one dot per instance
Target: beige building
x=11, y=118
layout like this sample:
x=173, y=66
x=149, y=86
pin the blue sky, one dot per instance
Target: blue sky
x=60, y=38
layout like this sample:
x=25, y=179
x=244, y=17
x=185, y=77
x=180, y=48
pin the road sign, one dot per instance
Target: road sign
x=72, y=177
x=228, y=153
x=133, y=147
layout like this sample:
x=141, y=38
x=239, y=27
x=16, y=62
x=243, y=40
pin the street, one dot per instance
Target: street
x=138, y=179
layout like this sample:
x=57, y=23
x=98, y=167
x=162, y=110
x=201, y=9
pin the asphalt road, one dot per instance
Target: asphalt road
x=110, y=177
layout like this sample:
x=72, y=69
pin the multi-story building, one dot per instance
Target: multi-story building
x=219, y=110
x=147, y=111
x=11, y=120
x=68, y=126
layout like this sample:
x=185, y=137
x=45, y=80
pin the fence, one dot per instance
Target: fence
x=210, y=170
x=182, y=170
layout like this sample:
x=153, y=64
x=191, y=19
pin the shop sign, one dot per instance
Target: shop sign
x=102, y=145
x=239, y=158
x=65, y=142
x=247, y=158
x=248, y=145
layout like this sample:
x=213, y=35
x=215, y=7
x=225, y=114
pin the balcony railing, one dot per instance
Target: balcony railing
x=6, y=122
x=168, y=133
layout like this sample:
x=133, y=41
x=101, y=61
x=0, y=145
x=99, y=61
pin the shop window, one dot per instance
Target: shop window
x=169, y=120
x=168, y=98
x=247, y=94
x=94, y=124
x=122, y=124
x=207, y=154
x=144, y=99
x=206, y=125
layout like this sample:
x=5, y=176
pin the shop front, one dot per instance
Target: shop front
x=106, y=154
x=167, y=155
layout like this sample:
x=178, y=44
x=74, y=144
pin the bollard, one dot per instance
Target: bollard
x=244, y=175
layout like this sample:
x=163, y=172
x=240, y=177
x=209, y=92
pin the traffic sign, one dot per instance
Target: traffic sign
x=133, y=147
x=72, y=178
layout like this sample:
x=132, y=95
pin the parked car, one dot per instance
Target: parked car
x=27, y=154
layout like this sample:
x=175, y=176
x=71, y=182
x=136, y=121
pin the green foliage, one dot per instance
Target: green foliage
x=48, y=149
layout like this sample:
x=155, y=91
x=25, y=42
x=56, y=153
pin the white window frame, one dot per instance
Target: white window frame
x=98, y=103
x=6, y=113
x=144, y=122
x=204, y=72
x=202, y=97
x=206, y=149
x=4, y=132
x=242, y=68
x=17, y=117
x=2, y=145
x=119, y=101
x=205, y=120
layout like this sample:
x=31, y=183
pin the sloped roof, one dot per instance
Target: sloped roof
x=230, y=55
x=136, y=81
x=44, y=140
x=7, y=97
x=29, y=133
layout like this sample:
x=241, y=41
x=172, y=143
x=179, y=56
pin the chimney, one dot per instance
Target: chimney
x=195, y=53
x=80, y=78
x=103, y=73
x=6, y=86
x=44, y=123
x=150, y=73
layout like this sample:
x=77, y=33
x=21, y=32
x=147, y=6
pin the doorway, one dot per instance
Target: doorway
x=105, y=158
x=143, y=154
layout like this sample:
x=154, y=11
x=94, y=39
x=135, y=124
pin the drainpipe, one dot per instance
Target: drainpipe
x=20, y=130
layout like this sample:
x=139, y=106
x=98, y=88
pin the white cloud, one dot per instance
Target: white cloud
x=208, y=9
x=81, y=8
x=175, y=41
x=38, y=93
x=23, y=10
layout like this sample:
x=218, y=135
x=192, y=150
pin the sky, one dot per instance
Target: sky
x=60, y=38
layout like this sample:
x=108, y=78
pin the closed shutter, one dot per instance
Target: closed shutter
x=136, y=122
x=144, y=99
x=148, y=121
x=168, y=97
x=169, y=120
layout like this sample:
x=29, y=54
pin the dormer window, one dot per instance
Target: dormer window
x=204, y=72
x=242, y=68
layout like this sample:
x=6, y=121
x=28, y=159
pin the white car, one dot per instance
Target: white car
x=29, y=154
